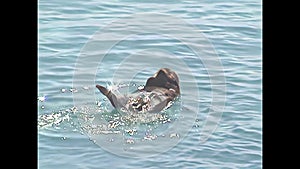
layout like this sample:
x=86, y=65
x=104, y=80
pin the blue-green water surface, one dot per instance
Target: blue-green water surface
x=232, y=27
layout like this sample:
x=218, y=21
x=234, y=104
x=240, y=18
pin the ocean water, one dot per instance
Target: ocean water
x=121, y=43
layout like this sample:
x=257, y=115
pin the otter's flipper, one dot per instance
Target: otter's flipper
x=112, y=98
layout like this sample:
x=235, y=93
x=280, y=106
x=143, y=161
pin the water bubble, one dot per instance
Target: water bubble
x=57, y=121
x=92, y=140
x=113, y=124
x=73, y=109
x=64, y=138
x=196, y=125
x=123, y=109
x=150, y=137
x=73, y=90
x=42, y=107
x=63, y=90
x=172, y=135
x=41, y=98
x=141, y=87
x=122, y=85
x=131, y=131
x=147, y=138
x=129, y=141
x=98, y=103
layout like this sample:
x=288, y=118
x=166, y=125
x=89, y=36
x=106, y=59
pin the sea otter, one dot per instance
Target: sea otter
x=155, y=96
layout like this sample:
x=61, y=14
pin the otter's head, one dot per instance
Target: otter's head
x=164, y=78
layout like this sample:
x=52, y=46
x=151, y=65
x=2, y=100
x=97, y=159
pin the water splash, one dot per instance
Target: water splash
x=87, y=120
x=55, y=118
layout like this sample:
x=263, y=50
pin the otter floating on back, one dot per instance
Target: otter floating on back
x=158, y=92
